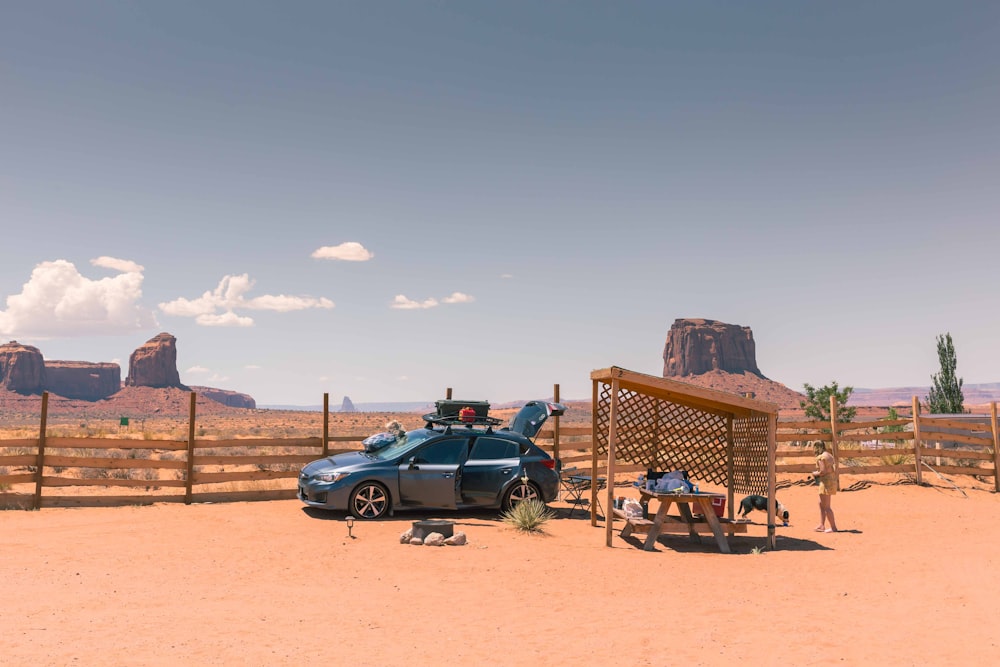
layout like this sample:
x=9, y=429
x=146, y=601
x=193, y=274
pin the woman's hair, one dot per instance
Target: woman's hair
x=819, y=444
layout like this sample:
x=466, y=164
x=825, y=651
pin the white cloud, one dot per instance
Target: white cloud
x=347, y=252
x=401, y=302
x=196, y=369
x=252, y=367
x=458, y=297
x=123, y=265
x=58, y=301
x=506, y=275
x=217, y=308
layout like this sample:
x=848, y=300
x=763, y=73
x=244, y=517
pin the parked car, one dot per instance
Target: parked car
x=458, y=460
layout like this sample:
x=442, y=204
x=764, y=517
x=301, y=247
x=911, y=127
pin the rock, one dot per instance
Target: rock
x=416, y=541
x=456, y=540
x=83, y=380
x=22, y=368
x=154, y=364
x=696, y=346
x=434, y=540
x=347, y=406
x=233, y=399
x=406, y=537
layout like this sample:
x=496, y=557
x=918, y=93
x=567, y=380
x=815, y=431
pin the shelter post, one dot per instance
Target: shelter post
x=772, y=448
x=731, y=472
x=612, y=441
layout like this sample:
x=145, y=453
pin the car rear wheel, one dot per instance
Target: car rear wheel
x=519, y=493
x=369, y=501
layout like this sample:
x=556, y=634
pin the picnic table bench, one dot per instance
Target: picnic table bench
x=662, y=522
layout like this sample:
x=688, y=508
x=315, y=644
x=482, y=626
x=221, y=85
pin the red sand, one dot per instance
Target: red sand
x=911, y=579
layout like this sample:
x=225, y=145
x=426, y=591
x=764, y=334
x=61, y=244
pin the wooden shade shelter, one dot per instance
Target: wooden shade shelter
x=664, y=424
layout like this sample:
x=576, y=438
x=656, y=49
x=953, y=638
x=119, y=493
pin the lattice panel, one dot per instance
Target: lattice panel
x=750, y=455
x=662, y=435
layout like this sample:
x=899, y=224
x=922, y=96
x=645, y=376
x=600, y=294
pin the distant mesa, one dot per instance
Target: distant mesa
x=696, y=346
x=721, y=356
x=347, y=406
x=153, y=364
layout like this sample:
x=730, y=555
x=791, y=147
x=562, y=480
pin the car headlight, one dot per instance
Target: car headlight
x=329, y=477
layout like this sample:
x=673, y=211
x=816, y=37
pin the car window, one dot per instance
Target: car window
x=443, y=452
x=403, y=444
x=493, y=448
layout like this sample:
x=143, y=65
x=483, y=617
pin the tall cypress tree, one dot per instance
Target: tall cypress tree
x=946, y=393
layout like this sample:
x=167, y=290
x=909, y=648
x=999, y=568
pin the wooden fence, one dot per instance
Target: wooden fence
x=914, y=445
x=199, y=470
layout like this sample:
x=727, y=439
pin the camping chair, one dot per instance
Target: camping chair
x=575, y=483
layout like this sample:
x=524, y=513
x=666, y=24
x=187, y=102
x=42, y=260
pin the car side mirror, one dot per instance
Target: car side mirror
x=412, y=461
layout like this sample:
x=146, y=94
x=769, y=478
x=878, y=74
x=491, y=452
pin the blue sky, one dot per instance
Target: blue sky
x=385, y=199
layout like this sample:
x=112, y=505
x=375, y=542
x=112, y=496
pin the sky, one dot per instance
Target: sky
x=383, y=200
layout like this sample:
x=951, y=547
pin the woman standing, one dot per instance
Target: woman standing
x=826, y=473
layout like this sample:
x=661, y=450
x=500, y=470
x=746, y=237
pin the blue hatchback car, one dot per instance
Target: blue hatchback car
x=456, y=461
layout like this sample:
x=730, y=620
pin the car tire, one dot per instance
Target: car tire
x=519, y=493
x=370, y=501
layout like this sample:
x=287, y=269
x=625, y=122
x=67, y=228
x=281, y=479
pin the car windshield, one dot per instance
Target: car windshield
x=403, y=444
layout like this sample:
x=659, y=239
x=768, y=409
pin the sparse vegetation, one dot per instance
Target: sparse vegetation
x=817, y=403
x=528, y=516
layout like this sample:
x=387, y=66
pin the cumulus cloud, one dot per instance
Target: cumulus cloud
x=458, y=297
x=196, y=370
x=506, y=275
x=401, y=302
x=217, y=308
x=123, y=265
x=58, y=301
x=347, y=252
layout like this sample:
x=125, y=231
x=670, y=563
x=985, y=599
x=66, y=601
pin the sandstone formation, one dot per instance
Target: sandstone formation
x=696, y=346
x=233, y=399
x=347, y=405
x=22, y=368
x=83, y=379
x=154, y=363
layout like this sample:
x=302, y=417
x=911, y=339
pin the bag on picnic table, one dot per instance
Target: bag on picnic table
x=673, y=482
x=632, y=508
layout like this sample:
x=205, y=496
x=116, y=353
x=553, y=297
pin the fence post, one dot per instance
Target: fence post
x=326, y=425
x=834, y=435
x=996, y=446
x=190, y=452
x=555, y=424
x=916, y=438
x=42, y=427
x=447, y=394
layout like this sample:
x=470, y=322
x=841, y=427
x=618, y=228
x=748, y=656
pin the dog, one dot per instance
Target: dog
x=754, y=502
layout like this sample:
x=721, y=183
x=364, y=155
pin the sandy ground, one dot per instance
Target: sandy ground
x=911, y=579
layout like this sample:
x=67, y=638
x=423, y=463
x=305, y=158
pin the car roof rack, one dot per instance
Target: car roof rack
x=454, y=420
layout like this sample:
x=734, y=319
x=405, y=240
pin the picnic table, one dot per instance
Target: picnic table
x=686, y=522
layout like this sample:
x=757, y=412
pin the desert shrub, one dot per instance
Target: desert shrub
x=528, y=516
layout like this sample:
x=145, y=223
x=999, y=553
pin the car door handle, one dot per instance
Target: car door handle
x=506, y=471
x=447, y=475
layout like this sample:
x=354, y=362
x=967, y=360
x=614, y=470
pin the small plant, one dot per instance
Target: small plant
x=528, y=516
x=756, y=551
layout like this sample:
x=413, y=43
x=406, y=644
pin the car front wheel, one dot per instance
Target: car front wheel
x=519, y=493
x=369, y=501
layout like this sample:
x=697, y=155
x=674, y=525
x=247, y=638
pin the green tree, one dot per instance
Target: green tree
x=946, y=396
x=817, y=403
